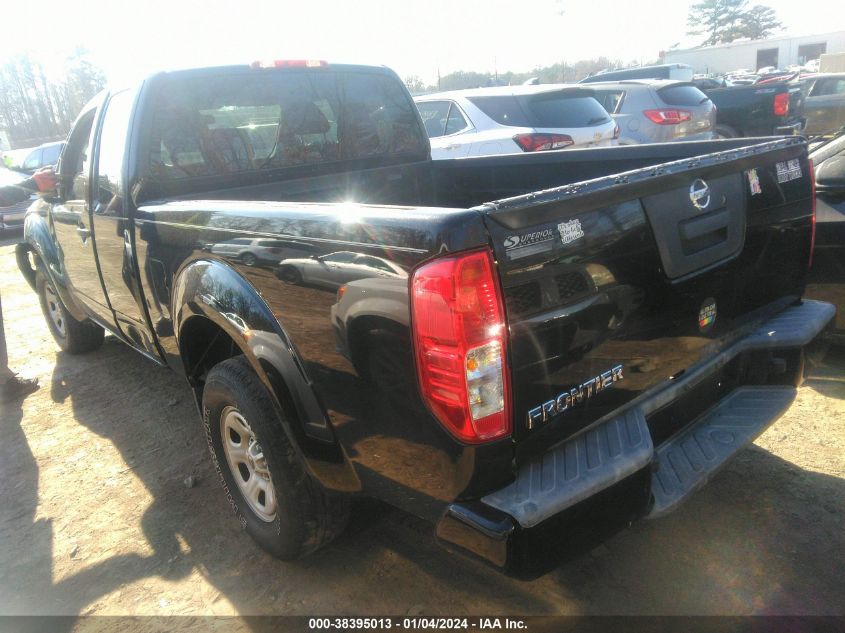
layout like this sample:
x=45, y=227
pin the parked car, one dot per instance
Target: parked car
x=824, y=106
x=656, y=111
x=251, y=252
x=510, y=119
x=571, y=324
x=335, y=269
x=826, y=280
x=12, y=215
x=765, y=110
x=678, y=72
x=46, y=155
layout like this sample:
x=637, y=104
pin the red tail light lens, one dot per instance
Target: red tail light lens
x=460, y=340
x=812, y=169
x=541, y=142
x=780, y=106
x=668, y=117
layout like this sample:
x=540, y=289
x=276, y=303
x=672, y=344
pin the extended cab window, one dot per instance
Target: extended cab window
x=240, y=122
x=111, y=151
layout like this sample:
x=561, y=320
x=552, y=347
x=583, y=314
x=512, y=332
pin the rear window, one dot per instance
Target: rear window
x=230, y=123
x=553, y=109
x=682, y=95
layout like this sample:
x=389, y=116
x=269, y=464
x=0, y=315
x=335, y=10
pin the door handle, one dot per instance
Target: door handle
x=83, y=233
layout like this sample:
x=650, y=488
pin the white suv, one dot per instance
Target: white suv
x=513, y=119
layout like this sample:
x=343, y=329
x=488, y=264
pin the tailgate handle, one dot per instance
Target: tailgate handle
x=700, y=226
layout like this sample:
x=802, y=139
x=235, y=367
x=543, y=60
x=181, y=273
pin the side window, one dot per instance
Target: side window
x=33, y=161
x=609, y=99
x=341, y=257
x=51, y=154
x=73, y=168
x=456, y=121
x=830, y=86
x=434, y=115
x=111, y=150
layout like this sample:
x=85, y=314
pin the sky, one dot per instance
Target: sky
x=413, y=38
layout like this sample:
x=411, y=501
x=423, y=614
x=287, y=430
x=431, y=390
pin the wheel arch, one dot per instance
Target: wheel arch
x=218, y=314
x=40, y=241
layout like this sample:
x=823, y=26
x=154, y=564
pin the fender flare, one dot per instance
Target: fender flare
x=39, y=237
x=212, y=290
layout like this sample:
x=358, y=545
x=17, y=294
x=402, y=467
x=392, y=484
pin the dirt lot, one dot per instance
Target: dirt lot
x=96, y=517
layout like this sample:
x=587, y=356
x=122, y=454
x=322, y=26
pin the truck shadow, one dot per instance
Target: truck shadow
x=829, y=378
x=764, y=537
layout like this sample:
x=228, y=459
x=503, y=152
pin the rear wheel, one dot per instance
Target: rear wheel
x=248, y=259
x=275, y=500
x=725, y=131
x=71, y=335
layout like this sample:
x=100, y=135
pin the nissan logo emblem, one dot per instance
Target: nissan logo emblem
x=699, y=194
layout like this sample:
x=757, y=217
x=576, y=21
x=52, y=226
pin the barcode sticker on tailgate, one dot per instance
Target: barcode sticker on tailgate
x=788, y=170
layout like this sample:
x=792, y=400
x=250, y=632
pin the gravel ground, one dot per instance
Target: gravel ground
x=96, y=517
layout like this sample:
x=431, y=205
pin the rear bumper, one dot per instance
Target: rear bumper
x=792, y=127
x=584, y=489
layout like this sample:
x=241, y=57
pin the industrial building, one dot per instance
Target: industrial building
x=779, y=52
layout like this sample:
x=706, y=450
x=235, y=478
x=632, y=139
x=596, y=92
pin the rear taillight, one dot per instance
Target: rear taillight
x=812, y=169
x=616, y=131
x=668, y=117
x=460, y=340
x=780, y=106
x=539, y=142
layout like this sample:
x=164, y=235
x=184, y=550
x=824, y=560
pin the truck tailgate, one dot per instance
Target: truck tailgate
x=616, y=285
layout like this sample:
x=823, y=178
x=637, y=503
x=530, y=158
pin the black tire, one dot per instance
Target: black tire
x=249, y=259
x=725, y=131
x=306, y=516
x=72, y=336
x=290, y=275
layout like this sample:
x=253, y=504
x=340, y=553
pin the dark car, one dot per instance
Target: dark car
x=827, y=276
x=824, y=105
x=758, y=110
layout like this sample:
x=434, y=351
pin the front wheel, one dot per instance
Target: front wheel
x=249, y=259
x=290, y=275
x=71, y=335
x=276, y=501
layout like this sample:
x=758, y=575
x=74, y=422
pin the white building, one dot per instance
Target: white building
x=779, y=52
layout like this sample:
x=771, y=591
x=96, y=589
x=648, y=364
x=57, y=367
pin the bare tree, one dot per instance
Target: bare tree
x=34, y=108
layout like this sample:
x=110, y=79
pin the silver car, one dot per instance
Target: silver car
x=336, y=269
x=657, y=110
x=824, y=106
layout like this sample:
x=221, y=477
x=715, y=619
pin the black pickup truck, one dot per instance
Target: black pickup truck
x=758, y=110
x=530, y=351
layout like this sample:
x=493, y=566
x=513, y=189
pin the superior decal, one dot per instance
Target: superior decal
x=574, y=397
x=517, y=246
